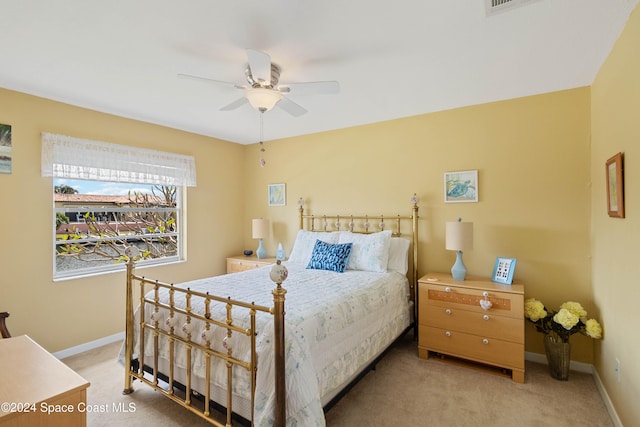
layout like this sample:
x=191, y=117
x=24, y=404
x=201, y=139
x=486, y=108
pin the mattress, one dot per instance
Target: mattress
x=335, y=324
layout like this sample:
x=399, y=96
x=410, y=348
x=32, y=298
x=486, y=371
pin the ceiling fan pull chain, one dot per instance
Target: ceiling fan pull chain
x=263, y=162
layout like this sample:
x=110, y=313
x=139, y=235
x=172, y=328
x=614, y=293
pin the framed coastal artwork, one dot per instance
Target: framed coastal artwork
x=461, y=186
x=615, y=186
x=5, y=148
x=277, y=195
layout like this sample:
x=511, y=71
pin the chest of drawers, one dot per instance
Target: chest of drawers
x=453, y=322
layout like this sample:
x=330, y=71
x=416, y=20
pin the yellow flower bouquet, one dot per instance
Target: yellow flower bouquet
x=571, y=318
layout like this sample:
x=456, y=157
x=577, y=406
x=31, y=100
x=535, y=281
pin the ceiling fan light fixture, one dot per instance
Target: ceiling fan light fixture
x=263, y=99
x=263, y=91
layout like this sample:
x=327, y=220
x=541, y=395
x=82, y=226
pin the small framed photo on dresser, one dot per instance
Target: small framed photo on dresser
x=503, y=270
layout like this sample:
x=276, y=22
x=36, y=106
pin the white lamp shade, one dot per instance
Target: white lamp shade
x=263, y=99
x=459, y=236
x=260, y=228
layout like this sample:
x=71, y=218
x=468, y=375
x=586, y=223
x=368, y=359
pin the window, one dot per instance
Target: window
x=97, y=220
x=108, y=197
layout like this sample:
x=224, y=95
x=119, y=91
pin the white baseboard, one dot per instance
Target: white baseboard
x=89, y=346
x=574, y=366
x=606, y=400
x=535, y=357
x=589, y=369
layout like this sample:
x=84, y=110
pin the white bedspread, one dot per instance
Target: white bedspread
x=335, y=323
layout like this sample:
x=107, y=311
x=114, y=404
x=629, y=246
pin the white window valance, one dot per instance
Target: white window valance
x=76, y=158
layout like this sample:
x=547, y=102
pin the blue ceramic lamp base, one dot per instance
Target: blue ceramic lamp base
x=458, y=271
x=261, y=252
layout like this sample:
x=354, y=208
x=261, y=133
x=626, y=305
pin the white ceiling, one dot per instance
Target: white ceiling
x=392, y=59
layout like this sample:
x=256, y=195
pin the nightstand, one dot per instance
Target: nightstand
x=242, y=263
x=453, y=322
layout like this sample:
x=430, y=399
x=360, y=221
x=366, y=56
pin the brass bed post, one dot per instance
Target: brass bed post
x=414, y=280
x=415, y=201
x=128, y=337
x=278, y=275
x=301, y=209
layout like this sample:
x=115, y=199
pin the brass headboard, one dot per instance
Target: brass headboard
x=367, y=224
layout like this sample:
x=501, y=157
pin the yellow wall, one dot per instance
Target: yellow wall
x=537, y=158
x=615, y=128
x=532, y=156
x=65, y=314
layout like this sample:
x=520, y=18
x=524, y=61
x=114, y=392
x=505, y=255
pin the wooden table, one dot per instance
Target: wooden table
x=36, y=389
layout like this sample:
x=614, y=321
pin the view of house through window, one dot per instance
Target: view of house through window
x=96, y=220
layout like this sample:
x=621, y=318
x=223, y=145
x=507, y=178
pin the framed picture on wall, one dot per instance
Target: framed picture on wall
x=460, y=187
x=615, y=186
x=277, y=195
x=503, y=270
x=5, y=148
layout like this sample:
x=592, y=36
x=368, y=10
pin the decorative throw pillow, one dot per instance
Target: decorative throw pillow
x=370, y=251
x=305, y=241
x=330, y=256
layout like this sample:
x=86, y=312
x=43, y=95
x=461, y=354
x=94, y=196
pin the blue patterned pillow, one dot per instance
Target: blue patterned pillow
x=328, y=256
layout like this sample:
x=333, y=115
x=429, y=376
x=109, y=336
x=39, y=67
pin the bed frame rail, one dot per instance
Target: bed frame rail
x=169, y=329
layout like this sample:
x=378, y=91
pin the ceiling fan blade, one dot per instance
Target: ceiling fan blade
x=311, y=88
x=260, y=64
x=211, y=81
x=235, y=104
x=291, y=107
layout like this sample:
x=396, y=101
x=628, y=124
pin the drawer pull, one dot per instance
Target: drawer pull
x=448, y=334
x=485, y=317
x=448, y=311
x=485, y=303
x=485, y=341
x=447, y=289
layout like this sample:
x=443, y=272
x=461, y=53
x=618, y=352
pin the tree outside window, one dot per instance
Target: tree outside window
x=96, y=221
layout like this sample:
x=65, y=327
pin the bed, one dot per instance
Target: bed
x=225, y=344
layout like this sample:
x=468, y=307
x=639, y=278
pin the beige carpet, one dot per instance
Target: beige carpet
x=403, y=390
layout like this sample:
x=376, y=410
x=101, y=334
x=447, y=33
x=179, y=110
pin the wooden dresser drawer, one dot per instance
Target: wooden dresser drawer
x=242, y=263
x=485, y=324
x=473, y=347
x=503, y=303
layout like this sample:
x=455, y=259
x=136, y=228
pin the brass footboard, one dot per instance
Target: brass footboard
x=169, y=329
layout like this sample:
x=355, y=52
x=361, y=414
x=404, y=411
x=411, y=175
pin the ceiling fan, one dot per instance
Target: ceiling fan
x=264, y=92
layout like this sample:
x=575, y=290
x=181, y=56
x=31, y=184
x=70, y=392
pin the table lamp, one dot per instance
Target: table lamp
x=260, y=230
x=459, y=237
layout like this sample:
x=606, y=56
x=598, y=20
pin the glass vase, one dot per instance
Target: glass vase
x=558, y=357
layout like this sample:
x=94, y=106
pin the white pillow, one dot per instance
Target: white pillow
x=399, y=255
x=370, y=252
x=305, y=241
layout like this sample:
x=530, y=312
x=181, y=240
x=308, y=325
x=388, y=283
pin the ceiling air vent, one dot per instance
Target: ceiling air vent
x=497, y=6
